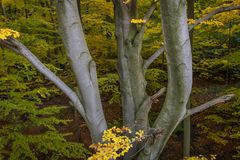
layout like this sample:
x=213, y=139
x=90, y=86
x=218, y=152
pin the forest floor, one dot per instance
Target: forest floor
x=201, y=145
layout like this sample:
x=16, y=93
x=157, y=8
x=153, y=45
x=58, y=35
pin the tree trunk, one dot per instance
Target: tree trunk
x=187, y=121
x=187, y=134
x=83, y=66
x=130, y=63
x=135, y=101
x=178, y=52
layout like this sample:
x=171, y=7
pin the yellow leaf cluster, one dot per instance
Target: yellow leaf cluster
x=136, y=21
x=115, y=143
x=191, y=21
x=5, y=33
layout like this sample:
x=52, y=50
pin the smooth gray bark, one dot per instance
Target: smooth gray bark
x=187, y=121
x=136, y=103
x=130, y=62
x=83, y=66
x=178, y=52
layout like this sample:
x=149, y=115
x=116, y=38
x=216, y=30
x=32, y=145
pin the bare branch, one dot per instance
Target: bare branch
x=209, y=104
x=18, y=47
x=207, y=17
x=158, y=94
x=150, y=11
x=214, y=12
x=153, y=57
x=146, y=18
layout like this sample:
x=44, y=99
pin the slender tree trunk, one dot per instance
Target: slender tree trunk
x=83, y=66
x=187, y=134
x=178, y=52
x=187, y=121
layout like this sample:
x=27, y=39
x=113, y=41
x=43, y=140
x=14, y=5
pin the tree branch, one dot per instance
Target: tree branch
x=158, y=94
x=209, y=104
x=18, y=47
x=214, y=12
x=149, y=61
x=150, y=11
x=153, y=57
x=146, y=18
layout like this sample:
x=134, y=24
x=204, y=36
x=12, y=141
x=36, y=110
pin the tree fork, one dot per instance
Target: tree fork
x=178, y=52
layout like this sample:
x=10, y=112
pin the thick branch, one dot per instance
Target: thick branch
x=149, y=61
x=209, y=104
x=18, y=47
x=158, y=94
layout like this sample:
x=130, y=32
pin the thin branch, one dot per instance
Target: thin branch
x=149, y=61
x=146, y=18
x=150, y=11
x=158, y=94
x=18, y=47
x=214, y=12
x=209, y=104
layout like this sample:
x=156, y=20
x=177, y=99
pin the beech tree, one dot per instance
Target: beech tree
x=136, y=103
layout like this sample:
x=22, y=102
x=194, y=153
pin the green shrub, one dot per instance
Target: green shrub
x=156, y=79
x=109, y=87
x=224, y=69
x=226, y=117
